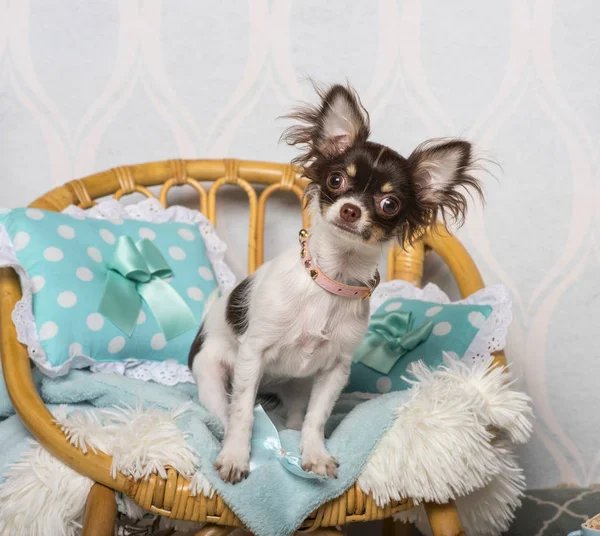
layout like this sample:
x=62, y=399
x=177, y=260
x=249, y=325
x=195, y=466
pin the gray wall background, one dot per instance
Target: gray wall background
x=85, y=86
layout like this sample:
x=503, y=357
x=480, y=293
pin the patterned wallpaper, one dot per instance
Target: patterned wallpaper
x=85, y=86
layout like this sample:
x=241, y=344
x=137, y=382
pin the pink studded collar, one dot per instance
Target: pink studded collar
x=328, y=284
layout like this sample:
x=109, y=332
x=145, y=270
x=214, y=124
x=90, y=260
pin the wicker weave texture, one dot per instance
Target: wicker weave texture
x=171, y=497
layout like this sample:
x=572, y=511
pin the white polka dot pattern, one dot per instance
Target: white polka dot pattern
x=186, y=234
x=94, y=254
x=48, y=331
x=66, y=231
x=67, y=299
x=69, y=321
x=394, y=306
x=95, y=321
x=432, y=311
x=476, y=319
x=442, y=328
x=144, y=232
x=34, y=214
x=107, y=236
x=85, y=274
x=53, y=254
x=177, y=253
x=116, y=344
x=206, y=273
x=158, y=341
x=38, y=283
x=21, y=240
x=75, y=349
x=195, y=293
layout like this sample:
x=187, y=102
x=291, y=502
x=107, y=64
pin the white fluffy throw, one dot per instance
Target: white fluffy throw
x=452, y=440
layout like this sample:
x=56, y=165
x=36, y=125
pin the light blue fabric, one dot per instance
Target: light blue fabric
x=67, y=259
x=283, y=500
x=455, y=326
x=266, y=446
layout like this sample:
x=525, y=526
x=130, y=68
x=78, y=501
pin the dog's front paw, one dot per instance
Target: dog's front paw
x=232, y=466
x=320, y=463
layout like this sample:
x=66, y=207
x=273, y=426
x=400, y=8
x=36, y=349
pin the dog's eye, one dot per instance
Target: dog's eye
x=336, y=181
x=389, y=206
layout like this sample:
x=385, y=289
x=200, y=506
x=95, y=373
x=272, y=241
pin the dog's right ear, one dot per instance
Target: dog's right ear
x=341, y=121
x=328, y=130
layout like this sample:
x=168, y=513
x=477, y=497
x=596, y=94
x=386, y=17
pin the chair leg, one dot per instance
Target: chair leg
x=100, y=512
x=444, y=519
x=216, y=530
x=396, y=528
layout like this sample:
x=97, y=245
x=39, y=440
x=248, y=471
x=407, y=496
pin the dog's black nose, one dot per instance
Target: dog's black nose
x=350, y=212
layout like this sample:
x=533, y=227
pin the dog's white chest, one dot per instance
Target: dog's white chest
x=321, y=329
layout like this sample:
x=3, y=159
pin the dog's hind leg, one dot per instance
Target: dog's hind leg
x=232, y=462
x=212, y=374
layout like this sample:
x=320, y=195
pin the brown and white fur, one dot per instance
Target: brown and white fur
x=278, y=331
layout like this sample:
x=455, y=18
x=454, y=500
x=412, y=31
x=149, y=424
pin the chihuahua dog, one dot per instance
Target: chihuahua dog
x=292, y=327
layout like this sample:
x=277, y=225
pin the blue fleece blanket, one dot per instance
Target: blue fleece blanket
x=272, y=501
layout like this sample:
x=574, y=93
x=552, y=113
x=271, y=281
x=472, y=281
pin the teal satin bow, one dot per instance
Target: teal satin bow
x=136, y=272
x=389, y=337
x=266, y=445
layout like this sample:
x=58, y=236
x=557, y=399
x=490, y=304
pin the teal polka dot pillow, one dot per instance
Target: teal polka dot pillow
x=165, y=266
x=421, y=325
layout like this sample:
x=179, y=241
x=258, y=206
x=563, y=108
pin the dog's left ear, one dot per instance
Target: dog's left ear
x=441, y=172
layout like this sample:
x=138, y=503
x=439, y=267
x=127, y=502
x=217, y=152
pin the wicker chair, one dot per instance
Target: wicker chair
x=171, y=496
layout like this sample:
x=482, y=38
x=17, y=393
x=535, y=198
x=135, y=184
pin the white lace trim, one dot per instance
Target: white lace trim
x=167, y=372
x=492, y=334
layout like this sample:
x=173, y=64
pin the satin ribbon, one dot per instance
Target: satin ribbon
x=136, y=272
x=389, y=337
x=266, y=445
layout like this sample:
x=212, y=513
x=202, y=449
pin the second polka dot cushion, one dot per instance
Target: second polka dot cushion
x=66, y=259
x=455, y=326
